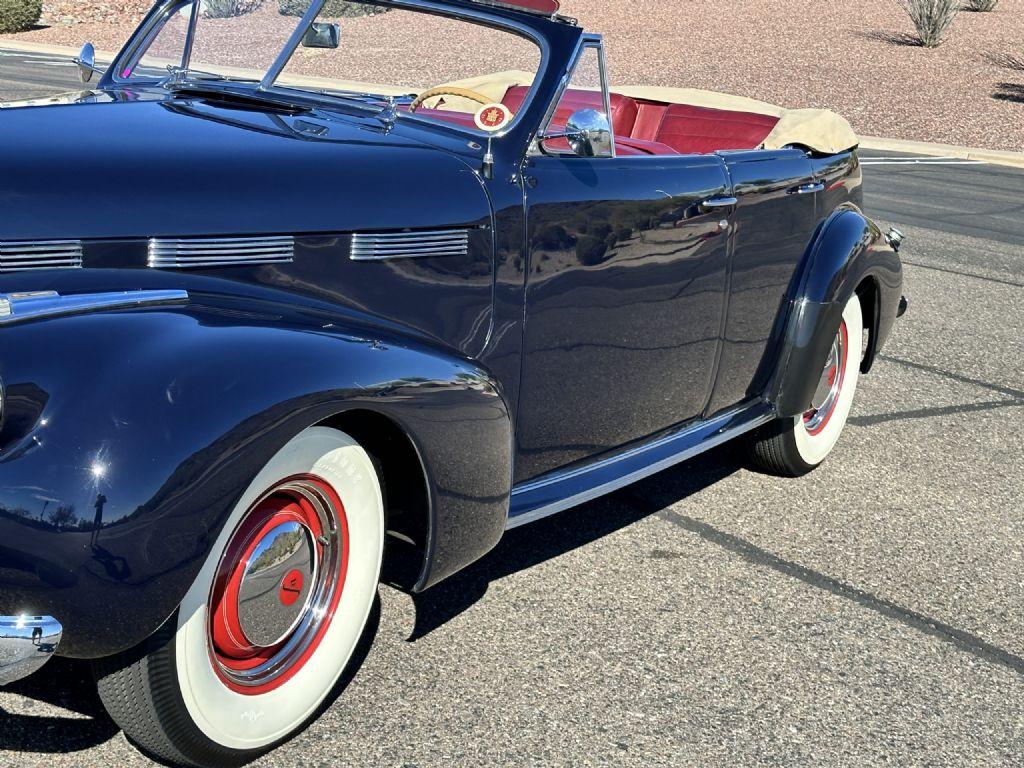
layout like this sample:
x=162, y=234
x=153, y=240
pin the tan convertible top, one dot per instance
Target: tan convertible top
x=817, y=129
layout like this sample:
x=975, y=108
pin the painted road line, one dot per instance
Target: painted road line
x=923, y=162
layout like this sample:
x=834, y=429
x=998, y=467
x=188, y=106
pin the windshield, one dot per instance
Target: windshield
x=356, y=50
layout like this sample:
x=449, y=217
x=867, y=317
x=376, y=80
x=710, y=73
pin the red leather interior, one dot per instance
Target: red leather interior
x=648, y=127
x=623, y=108
x=699, y=130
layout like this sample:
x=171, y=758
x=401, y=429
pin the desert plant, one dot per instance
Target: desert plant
x=982, y=5
x=19, y=15
x=932, y=18
x=332, y=8
x=226, y=9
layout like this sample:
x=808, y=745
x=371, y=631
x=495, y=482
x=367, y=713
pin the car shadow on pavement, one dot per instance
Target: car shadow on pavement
x=63, y=683
x=547, y=539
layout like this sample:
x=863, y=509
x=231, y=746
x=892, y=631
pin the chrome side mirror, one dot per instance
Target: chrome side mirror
x=589, y=133
x=322, y=36
x=86, y=61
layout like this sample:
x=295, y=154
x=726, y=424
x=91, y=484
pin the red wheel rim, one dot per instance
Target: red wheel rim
x=278, y=585
x=830, y=387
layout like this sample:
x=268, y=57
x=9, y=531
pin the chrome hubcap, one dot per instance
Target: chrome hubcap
x=830, y=385
x=278, y=585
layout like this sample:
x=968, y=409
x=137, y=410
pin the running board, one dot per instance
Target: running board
x=564, y=489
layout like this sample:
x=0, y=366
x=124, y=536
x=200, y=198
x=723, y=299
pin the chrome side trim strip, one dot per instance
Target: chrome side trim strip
x=560, y=491
x=380, y=246
x=26, y=643
x=23, y=307
x=22, y=256
x=194, y=253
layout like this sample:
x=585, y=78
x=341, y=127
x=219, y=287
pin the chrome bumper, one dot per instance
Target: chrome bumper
x=26, y=643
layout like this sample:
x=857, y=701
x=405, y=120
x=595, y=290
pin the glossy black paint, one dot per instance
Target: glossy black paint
x=626, y=279
x=848, y=252
x=600, y=306
x=157, y=420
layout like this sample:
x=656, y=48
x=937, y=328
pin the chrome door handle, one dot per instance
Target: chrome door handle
x=809, y=189
x=720, y=202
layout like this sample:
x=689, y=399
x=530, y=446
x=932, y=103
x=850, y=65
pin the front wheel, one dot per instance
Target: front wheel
x=271, y=621
x=794, y=446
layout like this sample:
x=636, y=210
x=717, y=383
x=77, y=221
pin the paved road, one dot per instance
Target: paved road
x=868, y=614
x=33, y=76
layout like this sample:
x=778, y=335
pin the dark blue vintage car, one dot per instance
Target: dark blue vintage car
x=282, y=318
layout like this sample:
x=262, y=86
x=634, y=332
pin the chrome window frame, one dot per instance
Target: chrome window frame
x=587, y=42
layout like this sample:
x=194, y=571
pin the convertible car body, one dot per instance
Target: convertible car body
x=266, y=341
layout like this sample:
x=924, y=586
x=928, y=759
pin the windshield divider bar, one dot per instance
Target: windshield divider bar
x=293, y=42
x=190, y=38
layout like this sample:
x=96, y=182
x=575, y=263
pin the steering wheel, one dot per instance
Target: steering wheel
x=448, y=90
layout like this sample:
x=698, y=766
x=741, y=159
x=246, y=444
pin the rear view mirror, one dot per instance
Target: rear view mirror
x=322, y=36
x=86, y=61
x=589, y=133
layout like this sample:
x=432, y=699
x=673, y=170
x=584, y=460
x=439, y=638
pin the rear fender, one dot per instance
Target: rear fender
x=847, y=252
x=129, y=436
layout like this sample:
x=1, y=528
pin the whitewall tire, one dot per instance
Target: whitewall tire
x=797, y=445
x=271, y=621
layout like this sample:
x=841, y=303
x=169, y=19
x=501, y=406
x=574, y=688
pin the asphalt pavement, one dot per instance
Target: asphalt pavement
x=868, y=614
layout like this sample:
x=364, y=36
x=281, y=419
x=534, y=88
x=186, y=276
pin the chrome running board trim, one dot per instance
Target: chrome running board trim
x=562, y=490
x=23, y=307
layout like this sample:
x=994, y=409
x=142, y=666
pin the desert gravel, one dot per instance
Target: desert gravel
x=857, y=58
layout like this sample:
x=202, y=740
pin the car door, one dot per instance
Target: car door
x=624, y=301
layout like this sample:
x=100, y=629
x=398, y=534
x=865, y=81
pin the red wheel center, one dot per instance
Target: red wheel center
x=291, y=588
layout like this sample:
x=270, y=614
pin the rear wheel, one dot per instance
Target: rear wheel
x=271, y=621
x=795, y=446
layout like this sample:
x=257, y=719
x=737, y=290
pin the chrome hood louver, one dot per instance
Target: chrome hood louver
x=435, y=243
x=197, y=253
x=40, y=254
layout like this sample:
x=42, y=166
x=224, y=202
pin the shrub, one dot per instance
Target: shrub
x=932, y=18
x=19, y=15
x=332, y=8
x=982, y=5
x=226, y=9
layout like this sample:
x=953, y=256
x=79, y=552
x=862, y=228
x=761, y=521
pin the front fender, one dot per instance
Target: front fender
x=848, y=251
x=128, y=437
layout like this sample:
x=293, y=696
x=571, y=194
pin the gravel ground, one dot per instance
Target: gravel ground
x=866, y=615
x=861, y=62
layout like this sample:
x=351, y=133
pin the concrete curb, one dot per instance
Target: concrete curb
x=994, y=156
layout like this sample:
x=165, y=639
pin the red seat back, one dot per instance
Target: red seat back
x=700, y=130
x=623, y=108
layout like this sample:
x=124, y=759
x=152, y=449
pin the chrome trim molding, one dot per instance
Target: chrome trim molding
x=40, y=254
x=22, y=307
x=563, y=490
x=201, y=253
x=437, y=243
x=26, y=643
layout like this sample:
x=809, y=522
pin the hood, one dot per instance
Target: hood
x=128, y=165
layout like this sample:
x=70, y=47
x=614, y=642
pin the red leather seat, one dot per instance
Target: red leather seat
x=623, y=116
x=649, y=127
x=700, y=130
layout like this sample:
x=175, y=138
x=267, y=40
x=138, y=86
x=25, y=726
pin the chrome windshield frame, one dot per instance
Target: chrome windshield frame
x=483, y=15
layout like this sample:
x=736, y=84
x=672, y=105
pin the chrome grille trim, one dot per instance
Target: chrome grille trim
x=40, y=254
x=196, y=253
x=436, y=243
